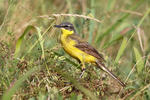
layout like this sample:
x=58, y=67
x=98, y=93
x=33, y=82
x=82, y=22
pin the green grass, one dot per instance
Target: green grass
x=33, y=65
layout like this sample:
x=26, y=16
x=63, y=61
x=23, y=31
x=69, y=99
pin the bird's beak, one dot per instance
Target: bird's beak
x=58, y=26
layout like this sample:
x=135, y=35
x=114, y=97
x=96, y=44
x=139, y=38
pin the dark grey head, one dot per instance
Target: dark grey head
x=66, y=25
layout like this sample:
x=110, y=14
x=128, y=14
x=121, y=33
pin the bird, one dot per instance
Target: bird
x=81, y=50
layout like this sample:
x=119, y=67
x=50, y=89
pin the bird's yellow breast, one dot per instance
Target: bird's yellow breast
x=69, y=46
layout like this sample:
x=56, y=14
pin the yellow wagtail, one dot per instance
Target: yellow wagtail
x=80, y=49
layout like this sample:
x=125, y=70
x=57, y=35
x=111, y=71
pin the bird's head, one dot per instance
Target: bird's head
x=66, y=27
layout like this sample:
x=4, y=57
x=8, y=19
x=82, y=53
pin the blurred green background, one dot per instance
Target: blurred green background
x=33, y=65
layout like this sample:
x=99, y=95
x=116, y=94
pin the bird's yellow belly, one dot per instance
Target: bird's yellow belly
x=79, y=54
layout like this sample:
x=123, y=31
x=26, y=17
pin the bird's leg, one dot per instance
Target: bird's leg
x=82, y=67
x=82, y=70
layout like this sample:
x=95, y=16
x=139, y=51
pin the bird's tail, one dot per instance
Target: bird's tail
x=102, y=66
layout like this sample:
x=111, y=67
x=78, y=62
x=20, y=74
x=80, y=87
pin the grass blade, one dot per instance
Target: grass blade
x=8, y=94
x=118, y=22
x=115, y=39
x=91, y=25
x=37, y=41
x=139, y=61
x=111, y=4
x=19, y=41
x=77, y=84
x=140, y=91
x=121, y=50
x=41, y=40
x=69, y=3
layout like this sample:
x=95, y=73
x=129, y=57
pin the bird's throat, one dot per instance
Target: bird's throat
x=65, y=34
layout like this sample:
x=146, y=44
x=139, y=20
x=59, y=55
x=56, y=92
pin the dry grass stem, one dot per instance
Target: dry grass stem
x=131, y=12
x=139, y=37
x=70, y=15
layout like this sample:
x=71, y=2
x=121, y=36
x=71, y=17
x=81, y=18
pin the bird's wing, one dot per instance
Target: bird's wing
x=87, y=48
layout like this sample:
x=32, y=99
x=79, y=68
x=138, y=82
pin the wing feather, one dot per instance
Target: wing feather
x=86, y=47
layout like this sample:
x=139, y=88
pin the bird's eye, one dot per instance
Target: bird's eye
x=66, y=26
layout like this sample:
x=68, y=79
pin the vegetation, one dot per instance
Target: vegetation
x=33, y=65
